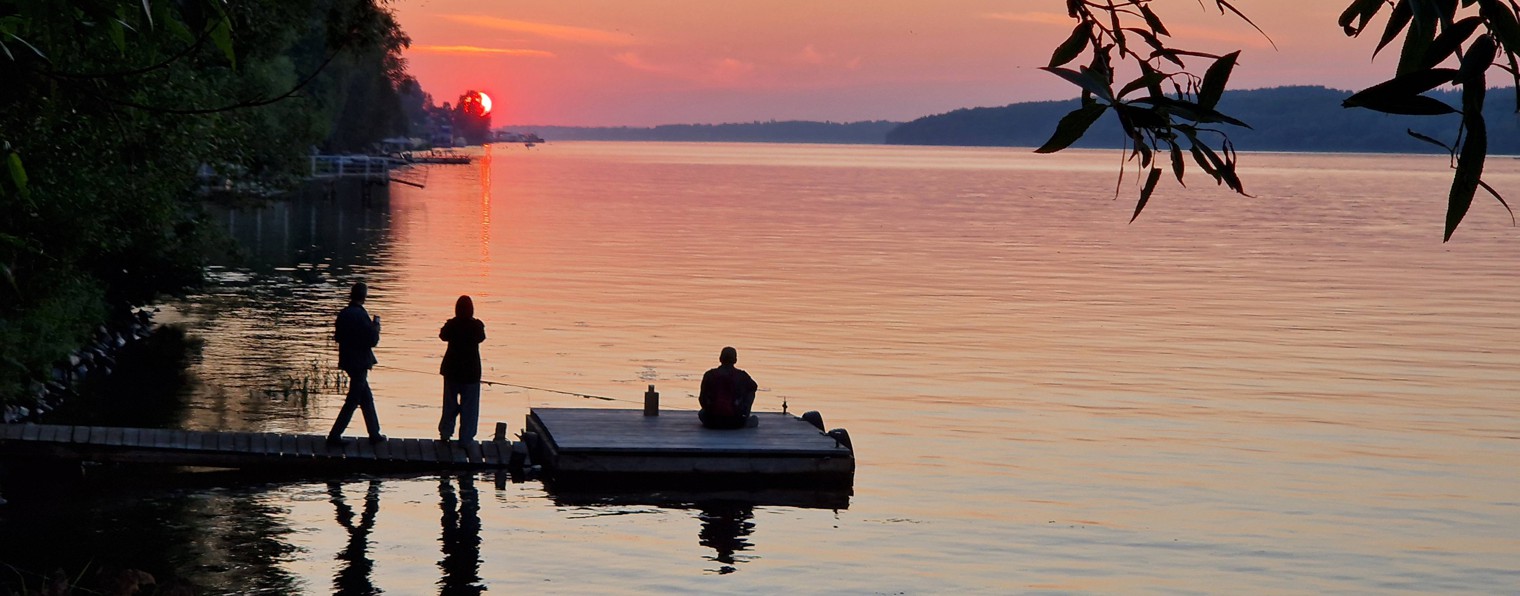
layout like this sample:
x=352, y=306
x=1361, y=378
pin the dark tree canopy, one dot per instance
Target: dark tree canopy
x=109, y=110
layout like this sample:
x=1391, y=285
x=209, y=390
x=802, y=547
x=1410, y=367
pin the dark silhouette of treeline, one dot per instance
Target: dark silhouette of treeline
x=1299, y=118
x=116, y=114
x=871, y=132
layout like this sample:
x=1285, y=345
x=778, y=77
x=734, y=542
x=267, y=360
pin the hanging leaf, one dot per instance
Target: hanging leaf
x=1401, y=94
x=1432, y=141
x=1450, y=40
x=118, y=34
x=1480, y=55
x=1414, y=105
x=1152, y=21
x=1223, y=6
x=1150, y=82
x=1396, y=23
x=1145, y=192
x=1178, y=163
x=1085, y=79
x=1464, y=183
x=1214, y=80
x=221, y=35
x=18, y=173
x=1422, y=32
x=1072, y=127
x=1073, y=46
x=1502, y=21
x=1354, y=19
x=1501, y=200
x=1411, y=84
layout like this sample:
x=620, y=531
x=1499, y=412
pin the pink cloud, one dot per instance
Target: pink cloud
x=811, y=56
x=581, y=35
x=1181, y=32
x=477, y=50
x=637, y=62
x=731, y=71
x=1037, y=18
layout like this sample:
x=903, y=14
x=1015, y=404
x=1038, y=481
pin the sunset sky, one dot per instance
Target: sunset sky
x=647, y=62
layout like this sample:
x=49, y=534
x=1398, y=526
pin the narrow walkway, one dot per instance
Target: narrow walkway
x=243, y=450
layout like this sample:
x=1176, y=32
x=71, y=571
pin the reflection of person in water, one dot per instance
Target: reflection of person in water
x=461, y=536
x=354, y=576
x=726, y=527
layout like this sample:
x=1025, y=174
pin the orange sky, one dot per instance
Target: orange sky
x=646, y=62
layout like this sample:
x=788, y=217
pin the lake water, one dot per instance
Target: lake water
x=1303, y=391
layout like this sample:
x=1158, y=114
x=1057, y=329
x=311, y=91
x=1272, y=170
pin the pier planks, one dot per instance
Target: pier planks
x=239, y=449
x=587, y=443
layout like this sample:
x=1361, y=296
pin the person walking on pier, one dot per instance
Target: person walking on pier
x=727, y=394
x=357, y=333
x=461, y=371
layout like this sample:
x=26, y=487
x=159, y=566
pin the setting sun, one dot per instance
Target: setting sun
x=485, y=103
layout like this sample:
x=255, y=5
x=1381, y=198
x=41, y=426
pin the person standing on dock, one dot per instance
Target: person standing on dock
x=357, y=334
x=727, y=394
x=461, y=371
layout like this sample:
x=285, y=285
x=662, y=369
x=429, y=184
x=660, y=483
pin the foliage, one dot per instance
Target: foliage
x=1443, y=44
x=1297, y=118
x=471, y=120
x=111, y=108
x=1153, y=121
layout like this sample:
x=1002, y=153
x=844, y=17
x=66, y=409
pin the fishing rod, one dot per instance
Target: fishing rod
x=506, y=384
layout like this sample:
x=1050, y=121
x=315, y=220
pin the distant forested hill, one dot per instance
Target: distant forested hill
x=792, y=131
x=1283, y=119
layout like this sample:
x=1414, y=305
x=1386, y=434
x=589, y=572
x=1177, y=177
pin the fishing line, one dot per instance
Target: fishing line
x=506, y=384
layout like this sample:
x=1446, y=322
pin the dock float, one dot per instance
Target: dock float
x=273, y=452
x=625, y=446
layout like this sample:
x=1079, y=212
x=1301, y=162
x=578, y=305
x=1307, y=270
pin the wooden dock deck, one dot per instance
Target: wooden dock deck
x=616, y=445
x=244, y=450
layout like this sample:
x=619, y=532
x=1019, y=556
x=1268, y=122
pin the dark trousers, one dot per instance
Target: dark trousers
x=722, y=422
x=461, y=401
x=359, y=396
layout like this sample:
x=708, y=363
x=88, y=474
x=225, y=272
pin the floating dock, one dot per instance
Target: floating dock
x=272, y=452
x=619, y=446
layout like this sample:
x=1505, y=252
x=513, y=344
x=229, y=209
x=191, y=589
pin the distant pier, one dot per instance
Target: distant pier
x=372, y=169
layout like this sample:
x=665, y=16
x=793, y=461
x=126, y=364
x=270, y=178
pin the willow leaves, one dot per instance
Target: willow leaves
x=1444, y=42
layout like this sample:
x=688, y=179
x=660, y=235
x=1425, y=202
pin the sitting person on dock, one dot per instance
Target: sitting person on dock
x=461, y=371
x=357, y=334
x=727, y=394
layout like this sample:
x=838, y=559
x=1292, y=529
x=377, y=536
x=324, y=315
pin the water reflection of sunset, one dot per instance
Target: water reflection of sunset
x=1222, y=393
x=485, y=208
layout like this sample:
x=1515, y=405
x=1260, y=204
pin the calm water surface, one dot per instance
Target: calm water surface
x=1300, y=392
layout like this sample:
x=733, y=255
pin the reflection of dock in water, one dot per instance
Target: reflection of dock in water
x=726, y=516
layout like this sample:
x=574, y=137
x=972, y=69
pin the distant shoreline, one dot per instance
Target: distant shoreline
x=1024, y=148
x=1284, y=119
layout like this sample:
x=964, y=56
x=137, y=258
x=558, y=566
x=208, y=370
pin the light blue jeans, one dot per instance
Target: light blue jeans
x=462, y=401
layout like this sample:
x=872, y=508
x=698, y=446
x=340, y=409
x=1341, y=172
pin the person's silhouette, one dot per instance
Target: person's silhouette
x=461, y=536
x=727, y=394
x=357, y=334
x=354, y=576
x=461, y=371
